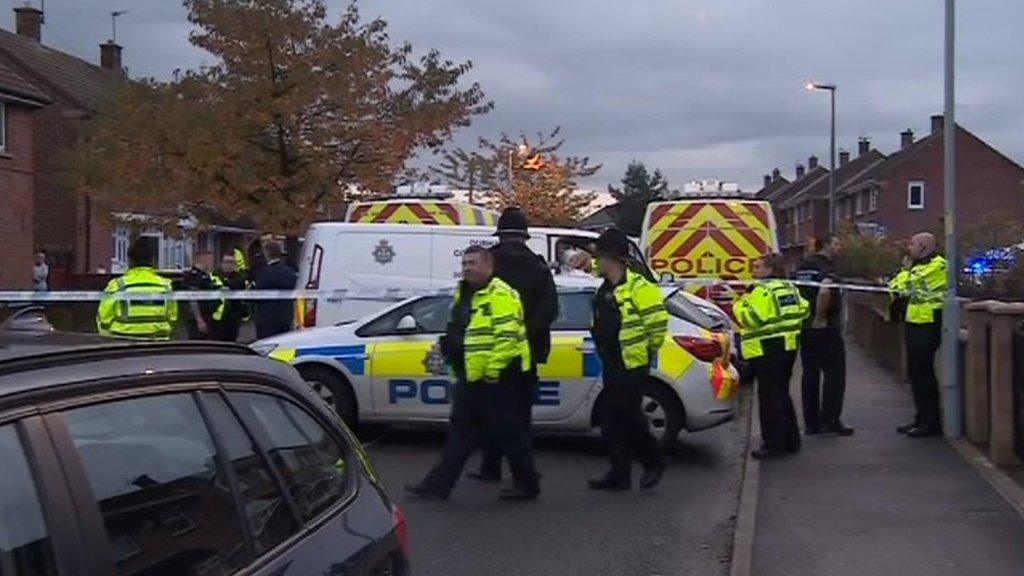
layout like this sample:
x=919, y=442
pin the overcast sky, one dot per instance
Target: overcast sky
x=698, y=88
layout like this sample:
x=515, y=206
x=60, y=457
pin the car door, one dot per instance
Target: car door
x=408, y=377
x=572, y=371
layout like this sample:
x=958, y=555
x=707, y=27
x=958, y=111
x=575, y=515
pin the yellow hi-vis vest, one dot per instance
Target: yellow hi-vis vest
x=644, y=320
x=149, y=319
x=496, y=334
x=773, y=309
x=240, y=264
x=925, y=285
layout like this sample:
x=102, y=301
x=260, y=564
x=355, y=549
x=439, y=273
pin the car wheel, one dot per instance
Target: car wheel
x=663, y=412
x=334, y=390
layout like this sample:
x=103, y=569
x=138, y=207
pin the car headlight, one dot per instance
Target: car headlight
x=264, y=349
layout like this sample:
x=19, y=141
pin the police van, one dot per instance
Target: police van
x=385, y=368
x=374, y=265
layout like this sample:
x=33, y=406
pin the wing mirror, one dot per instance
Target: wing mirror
x=407, y=324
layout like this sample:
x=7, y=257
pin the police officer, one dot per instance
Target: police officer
x=204, y=315
x=233, y=279
x=137, y=319
x=923, y=283
x=822, y=350
x=529, y=275
x=629, y=327
x=771, y=315
x=485, y=346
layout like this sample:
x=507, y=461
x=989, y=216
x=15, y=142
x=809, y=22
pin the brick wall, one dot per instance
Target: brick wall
x=16, y=216
x=57, y=226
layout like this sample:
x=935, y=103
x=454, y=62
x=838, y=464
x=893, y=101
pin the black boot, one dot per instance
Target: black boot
x=652, y=476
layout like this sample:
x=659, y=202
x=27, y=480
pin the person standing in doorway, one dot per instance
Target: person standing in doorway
x=40, y=273
x=822, y=350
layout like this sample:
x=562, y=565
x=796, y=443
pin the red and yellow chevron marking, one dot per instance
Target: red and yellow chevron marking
x=702, y=238
x=435, y=213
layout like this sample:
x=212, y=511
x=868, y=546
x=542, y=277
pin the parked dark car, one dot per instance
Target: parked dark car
x=179, y=459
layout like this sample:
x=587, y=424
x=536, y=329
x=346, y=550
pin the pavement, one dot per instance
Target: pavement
x=683, y=526
x=878, y=502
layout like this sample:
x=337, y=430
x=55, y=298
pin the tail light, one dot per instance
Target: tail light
x=402, y=531
x=308, y=306
x=704, y=349
x=309, y=313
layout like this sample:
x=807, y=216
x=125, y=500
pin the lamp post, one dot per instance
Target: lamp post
x=952, y=395
x=522, y=150
x=812, y=86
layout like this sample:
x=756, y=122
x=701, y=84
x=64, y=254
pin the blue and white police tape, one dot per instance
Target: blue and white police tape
x=361, y=293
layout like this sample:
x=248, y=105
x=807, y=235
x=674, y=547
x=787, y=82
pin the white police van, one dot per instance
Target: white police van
x=384, y=367
x=375, y=264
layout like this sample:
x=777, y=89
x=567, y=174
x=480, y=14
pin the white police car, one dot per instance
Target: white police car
x=384, y=368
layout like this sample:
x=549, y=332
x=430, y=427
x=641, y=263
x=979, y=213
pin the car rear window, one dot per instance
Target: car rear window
x=680, y=306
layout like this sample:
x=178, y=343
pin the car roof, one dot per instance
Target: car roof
x=43, y=362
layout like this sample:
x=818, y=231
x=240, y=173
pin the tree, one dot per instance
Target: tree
x=639, y=188
x=531, y=176
x=465, y=171
x=297, y=114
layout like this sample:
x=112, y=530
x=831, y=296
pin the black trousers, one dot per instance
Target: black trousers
x=486, y=413
x=491, y=454
x=623, y=423
x=923, y=342
x=779, y=430
x=823, y=356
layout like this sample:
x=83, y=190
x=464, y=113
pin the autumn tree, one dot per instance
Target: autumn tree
x=464, y=170
x=532, y=176
x=639, y=188
x=297, y=114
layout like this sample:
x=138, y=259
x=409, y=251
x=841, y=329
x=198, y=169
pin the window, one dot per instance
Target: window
x=266, y=511
x=574, y=311
x=3, y=127
x=873, y=202
x=175, y=253
x=313, y=466
x=122, y=239
x=915, y=195
x=167, y=506
x=680, y=306
x=859, y=203
x=430, y=314
x=25, y=546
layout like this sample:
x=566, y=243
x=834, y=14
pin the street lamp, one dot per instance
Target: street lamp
x=811, y=87
x=522, y=150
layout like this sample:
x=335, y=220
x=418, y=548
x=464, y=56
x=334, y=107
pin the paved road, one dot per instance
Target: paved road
x=684, y=526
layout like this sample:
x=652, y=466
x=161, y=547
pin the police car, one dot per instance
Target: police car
x=384, y=368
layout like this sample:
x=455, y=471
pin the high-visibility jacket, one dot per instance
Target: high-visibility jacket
x=925, y=285
x=773, y=309
x=150, y=319
x=222, y=304
x=240, y=263
x=496, y=334
x=644, y=320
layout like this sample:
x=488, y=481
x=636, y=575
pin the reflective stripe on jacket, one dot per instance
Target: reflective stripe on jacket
x=925, y=285
x=773, y=309
x=240, y=264
x=644, y=320
x=496, y=333
x=151, y=319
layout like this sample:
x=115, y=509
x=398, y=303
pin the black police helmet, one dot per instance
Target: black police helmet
x=613, y=243
x=512, y=222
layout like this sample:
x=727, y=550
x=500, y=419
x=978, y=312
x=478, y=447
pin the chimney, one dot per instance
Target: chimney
x=29, y=22
x=863, y=147
x=776, y=175
x=812, y=162
x=906, y=138
x=767, y=180
x=110, y=56
x=844, y=158
x=938, y=123
x=799, y=171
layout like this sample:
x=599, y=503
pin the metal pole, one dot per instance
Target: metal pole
x=953, y=393
x=832, y=169
x=511, y=185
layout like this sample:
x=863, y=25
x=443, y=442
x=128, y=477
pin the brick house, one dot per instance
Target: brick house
x=19, y=101
x=78, y=240
x=905, y=194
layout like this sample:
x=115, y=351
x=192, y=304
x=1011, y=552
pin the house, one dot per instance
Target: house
x=601, y=219
x=64, y=91
x=19, y=100
x=905, y=193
